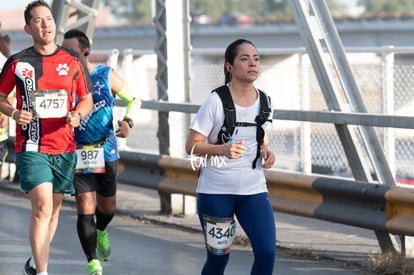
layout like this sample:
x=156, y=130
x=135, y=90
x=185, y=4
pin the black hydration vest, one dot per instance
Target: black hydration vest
x=230, y=120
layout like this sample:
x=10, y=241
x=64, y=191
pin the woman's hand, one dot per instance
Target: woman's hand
x=268, y=157
x=235, y=150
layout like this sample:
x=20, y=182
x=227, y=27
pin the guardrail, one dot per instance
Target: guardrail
x=366, y=205
x=356, y=203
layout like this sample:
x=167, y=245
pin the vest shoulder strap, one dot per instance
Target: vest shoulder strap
x=265, y=109
x=229, y=124
x=230, y=121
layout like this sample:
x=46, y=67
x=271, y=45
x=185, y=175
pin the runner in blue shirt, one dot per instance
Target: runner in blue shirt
x=98, y=154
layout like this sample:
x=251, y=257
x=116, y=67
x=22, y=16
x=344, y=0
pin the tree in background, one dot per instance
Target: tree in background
x=140, y=11
x=258, y=9
x=376, y=6
x=131, y=11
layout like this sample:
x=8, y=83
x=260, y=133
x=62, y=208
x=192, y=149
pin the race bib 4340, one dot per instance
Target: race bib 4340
x=219, y=234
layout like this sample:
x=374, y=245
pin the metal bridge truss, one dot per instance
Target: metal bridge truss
x=75, y=14
x=340, y=91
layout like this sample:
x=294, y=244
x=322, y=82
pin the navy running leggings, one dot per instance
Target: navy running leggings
x=255, y=215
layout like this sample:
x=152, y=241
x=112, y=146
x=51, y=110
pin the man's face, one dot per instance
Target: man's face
x=42, y=25
x=73, y=44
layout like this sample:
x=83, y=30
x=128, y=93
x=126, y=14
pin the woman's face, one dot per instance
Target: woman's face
x=246, y=64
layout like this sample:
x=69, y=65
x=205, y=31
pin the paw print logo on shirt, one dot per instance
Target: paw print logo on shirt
x=62, y=69
x=27, y=73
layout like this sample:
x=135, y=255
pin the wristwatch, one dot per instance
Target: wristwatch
x=130, y=122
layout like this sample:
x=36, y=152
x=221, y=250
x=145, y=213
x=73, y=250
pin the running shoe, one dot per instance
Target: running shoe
x=94, y=267
x=103, y=246
x=28, y=270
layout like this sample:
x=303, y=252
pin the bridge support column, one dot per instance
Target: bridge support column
x=183, y=204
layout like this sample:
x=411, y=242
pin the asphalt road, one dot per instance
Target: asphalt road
x=140, y=246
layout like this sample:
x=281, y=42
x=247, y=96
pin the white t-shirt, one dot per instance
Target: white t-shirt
x=219, y=174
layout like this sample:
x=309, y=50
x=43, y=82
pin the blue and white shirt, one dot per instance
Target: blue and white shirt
x=98, y=125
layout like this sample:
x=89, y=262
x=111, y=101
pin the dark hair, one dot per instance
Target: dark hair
x=231, y=53
x=83, y=39
x=31, y=6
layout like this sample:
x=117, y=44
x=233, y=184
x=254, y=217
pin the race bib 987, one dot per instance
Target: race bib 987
x=90, y=159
